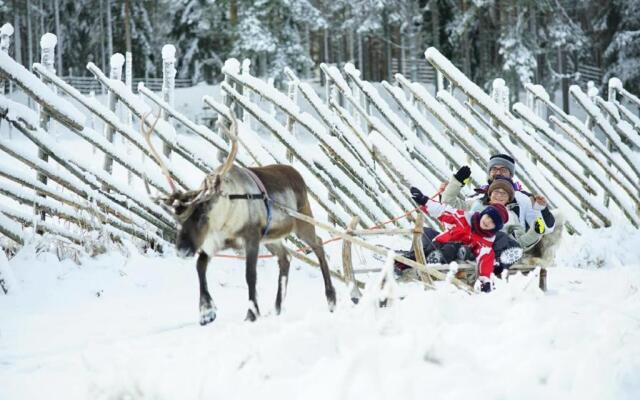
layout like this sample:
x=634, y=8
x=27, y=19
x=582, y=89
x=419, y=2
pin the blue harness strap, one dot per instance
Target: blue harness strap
x=269, y=204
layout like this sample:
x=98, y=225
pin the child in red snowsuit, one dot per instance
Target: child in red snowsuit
x=476, y=230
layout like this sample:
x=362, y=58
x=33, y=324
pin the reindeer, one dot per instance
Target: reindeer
x=234, y=208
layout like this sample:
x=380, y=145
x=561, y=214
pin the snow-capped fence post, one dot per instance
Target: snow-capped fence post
x=592, y=92
x=612, y=86
x=92, y=120
x=5, y=41
x=415, y=128
x=168, y=86
x=115, y=73
x=47, y=44
x=331, y=90
x=227, y=101
x=497, y=88
x=292, y=89
x=246, y=71
x=128, y=79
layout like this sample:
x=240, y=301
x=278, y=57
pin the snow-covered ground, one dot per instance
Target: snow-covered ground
x=125, y=326
x=121, y=327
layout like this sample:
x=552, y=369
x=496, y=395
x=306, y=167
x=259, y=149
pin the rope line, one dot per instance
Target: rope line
x=334, y=239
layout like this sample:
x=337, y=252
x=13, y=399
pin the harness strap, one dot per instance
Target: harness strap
x=259, y=196
x=268, y=203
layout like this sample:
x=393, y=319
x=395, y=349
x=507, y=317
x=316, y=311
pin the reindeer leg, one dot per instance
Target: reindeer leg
x=207, y=308
x=251, y=254
x=307, y=233
x=277, y=249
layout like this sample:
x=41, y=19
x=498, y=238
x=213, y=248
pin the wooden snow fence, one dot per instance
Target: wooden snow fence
x=359, y=148
x=80, y=198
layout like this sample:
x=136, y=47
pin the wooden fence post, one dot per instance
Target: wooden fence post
x=47, y=44
x=5, y=41
x=246, y=71
x=92, y=121
x=168, y=85
x=116, y=74
x=611, y=96
x=128, y=79
x=227, y=100
x=292, y=90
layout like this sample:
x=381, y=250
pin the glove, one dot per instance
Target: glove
x=463, y=175
x=418, y=197
x=485, y=287
x=538, y=226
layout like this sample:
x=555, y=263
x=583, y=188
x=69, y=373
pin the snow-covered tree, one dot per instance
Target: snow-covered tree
x=623, y=52
x=271, y=32
x=201, y=31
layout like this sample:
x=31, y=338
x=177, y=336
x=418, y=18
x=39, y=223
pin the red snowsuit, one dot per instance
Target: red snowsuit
x=458, y=229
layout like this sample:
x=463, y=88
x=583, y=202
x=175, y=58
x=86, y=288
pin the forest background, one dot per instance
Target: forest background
x=549, y=42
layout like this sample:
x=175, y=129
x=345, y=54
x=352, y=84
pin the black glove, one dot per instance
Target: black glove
x=538, y=226
x=463, y=175
x=417, y=196
x=485, y=287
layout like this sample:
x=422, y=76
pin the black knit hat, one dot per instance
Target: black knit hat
x=498, y=213
x=502, y=159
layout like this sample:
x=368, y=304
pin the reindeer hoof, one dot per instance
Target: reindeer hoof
x=331, y=299
x=355, y=295
x=251, y=316
x=207, y=315
x=332, y=304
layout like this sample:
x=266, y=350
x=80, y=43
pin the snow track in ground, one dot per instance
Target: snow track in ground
x=119, y=327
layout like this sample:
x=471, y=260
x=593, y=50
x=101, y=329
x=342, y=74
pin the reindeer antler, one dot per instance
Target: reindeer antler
x=232, y=134
x=211, y=183
x=147, y=138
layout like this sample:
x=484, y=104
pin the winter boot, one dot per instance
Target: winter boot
x=510, y=256
x=485, y=284
x=435, y=257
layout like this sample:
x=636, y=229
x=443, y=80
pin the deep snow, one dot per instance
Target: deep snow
x=121, y=327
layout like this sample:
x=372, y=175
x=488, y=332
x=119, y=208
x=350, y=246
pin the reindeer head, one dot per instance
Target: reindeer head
x=192, y=208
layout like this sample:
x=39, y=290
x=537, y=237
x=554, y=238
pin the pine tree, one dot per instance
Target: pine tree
x=201, y=31
x=271, y=32
x=623, y=52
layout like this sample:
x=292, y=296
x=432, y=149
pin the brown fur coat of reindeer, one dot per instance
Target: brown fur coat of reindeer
x=229, y=211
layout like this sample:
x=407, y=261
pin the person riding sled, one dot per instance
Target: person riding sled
x=532, y=213
x=506, y=248
x=477, y=230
